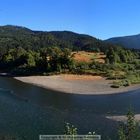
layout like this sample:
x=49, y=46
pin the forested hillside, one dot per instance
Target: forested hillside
x=131, y=42
x=16, y=36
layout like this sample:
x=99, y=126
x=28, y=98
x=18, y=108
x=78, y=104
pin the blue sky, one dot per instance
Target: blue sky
x=100, y=18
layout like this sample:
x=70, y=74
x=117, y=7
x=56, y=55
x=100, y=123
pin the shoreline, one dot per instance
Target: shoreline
x=76, y=84
x=122, y=118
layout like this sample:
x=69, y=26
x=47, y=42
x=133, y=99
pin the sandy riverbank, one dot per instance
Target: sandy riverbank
x=123, y=118
x=76, y=84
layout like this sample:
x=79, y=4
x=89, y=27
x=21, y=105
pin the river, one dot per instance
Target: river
x=27, y=110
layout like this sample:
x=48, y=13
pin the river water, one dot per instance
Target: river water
x=27, y=110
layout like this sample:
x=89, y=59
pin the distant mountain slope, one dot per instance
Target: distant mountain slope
x=126, y=41
x=17, y=36
x=80, y=41
x=10, y=30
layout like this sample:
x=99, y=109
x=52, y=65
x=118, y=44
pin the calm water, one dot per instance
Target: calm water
x=27, y=111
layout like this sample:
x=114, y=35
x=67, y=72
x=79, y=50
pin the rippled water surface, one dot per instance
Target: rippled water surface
x=27, y=111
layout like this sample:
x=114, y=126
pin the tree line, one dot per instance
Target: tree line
x=19, y=60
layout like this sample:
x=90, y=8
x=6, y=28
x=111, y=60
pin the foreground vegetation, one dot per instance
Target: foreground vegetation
x=128, y=130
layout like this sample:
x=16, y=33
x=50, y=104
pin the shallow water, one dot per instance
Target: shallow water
x=27, y=110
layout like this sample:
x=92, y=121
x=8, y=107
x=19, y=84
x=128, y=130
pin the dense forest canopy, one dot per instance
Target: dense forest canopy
x=16, y=36
x=132, y=42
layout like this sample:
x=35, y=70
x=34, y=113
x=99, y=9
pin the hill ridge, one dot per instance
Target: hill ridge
x=27, y=38
x=130, y=41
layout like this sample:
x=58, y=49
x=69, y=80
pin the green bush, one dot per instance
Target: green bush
x=119, y=83
x=115, y=86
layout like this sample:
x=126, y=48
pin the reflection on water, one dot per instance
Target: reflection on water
x=27, y=111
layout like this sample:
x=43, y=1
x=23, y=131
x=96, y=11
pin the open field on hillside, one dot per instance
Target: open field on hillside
x=82, y=56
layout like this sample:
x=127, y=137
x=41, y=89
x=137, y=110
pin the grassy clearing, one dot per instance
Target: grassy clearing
x=82, y=56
